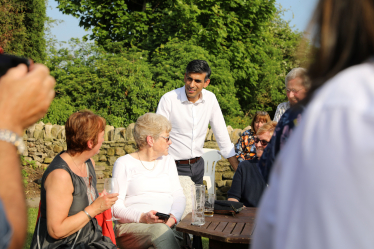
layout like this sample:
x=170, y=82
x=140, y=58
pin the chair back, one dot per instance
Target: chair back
x=211, y=157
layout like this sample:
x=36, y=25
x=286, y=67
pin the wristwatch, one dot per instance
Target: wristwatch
x=13, y=138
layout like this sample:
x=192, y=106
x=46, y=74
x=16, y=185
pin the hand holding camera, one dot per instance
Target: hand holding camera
x=25, y=94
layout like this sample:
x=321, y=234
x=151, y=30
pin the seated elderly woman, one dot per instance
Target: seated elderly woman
x=69, y=198
x=248, y=182
x=149, y=184
x=245, y=148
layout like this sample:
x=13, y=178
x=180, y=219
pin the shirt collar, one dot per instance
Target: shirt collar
x=183, y=96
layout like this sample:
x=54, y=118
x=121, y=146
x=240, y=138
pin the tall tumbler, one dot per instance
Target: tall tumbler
x=198, y=202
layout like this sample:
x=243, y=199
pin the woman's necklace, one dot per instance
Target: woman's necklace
x=76, y=165
x=154, y=165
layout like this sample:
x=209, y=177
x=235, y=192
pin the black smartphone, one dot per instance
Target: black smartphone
x=163, y=216
x=8, y=61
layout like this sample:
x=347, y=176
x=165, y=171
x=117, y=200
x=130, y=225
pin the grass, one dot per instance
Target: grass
x=33, y=214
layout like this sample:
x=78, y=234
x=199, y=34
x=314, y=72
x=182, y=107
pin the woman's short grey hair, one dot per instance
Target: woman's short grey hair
x=150, y=124
x=299, y=72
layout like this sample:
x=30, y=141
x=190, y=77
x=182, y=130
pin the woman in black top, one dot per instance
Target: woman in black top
x=69, y=198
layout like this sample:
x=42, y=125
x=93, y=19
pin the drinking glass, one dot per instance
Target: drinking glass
x=209, y=205
x=198, y=200
x=111, y=187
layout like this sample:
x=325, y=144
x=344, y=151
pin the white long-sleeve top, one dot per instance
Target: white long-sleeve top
x=190, y=121
x=141, y=190
x=321, y=189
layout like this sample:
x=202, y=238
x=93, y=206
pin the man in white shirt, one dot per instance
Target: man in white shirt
x=190, y=109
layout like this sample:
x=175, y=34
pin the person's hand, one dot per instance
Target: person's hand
x=25, y=96
x=104, y=202
x=150, y=218
x=171, y=221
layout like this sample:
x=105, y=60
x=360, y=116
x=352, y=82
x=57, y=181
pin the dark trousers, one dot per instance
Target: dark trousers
x=194, y=170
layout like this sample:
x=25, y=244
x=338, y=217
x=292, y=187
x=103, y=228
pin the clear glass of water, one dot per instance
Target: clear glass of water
x=198, y=202
x=111, y=187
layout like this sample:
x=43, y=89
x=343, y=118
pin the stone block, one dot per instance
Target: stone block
x=48, y=160
x=47, y=131
x=38, y=134
x=228, y=175
x=218, y=176
x=102, y=158
x=211, y=145
x=25, y=153
x=30, y=131
x=108, y=135
x=235, y=135
x=32, y=149
x=229, y=183
x=105, y=146
x=102, y=152
x=31, y=145
x=95, y=158
x=57, y=148
x=56, y=129
x=207, y=136
x=222, y=168
x=220, y=184
x=120, y=151
x=112, y=160
x=37, y=158
x=225, y=189
x=111, y=151
x=229, y=130
x=48, y=146
x=119, y=145
x=104, y=164
x=129, y=136
x=51, y=154
x=31, y=139
x=130, y=147
x=99, y=168
x=61, y=134
x=119, y=134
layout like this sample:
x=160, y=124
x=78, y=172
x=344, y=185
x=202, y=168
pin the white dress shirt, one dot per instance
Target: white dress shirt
x=190, y=121
x=142, y=190
x=321, y=192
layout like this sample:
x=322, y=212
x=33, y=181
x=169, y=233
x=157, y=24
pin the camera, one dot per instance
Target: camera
x=8, y=61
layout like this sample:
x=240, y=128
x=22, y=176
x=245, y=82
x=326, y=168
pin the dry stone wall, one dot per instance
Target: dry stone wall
x=45, y=141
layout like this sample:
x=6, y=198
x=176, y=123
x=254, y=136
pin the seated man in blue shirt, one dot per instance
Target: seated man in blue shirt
x=248, y=182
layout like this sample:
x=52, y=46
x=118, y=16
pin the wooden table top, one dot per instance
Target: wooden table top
x=225, y=228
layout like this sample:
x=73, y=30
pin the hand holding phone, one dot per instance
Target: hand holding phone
x=163, y=216
x=8, y=61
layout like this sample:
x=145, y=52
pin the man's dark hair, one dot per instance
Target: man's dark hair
x=199, y=66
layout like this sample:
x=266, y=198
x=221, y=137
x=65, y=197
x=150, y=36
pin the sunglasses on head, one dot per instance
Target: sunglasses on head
x=263, y=142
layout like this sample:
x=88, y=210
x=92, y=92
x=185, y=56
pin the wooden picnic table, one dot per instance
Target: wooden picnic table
x=223, y=231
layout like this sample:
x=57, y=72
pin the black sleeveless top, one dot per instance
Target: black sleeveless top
x=91, y=234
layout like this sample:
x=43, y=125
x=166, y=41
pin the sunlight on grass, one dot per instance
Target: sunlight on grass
x=205, y=242
x=32, y=215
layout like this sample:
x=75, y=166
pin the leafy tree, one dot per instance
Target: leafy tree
x=250, y=36
x=22, y=28
x=117, y=86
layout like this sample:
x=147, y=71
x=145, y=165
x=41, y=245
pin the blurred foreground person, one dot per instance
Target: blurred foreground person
x=245, y=148
x=148, y=183
x=24, y=99
x=69, y=198
x=321, y=187
x=248, y=183
x=296, y=89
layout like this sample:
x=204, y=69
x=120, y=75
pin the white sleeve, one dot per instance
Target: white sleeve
x=125, y=214
x=179, y=200
x=164, y=107
x=321, y=186
x=220, y=131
